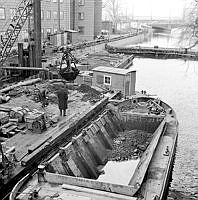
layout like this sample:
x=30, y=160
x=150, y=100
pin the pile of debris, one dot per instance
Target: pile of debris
x=101, y=59
x=130, y=145
x=90, y=94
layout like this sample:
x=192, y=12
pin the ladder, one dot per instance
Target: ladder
x=8, y=39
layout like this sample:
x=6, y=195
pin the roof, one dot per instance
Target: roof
x=113, y=70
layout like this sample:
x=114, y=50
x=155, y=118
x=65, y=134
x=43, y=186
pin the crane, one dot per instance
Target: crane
x=8, y=39
x=17, y=22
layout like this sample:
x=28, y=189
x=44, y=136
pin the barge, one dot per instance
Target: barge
x=154, y=52
x=107, y=160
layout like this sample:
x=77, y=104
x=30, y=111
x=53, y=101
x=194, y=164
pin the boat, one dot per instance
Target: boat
x=126, y=152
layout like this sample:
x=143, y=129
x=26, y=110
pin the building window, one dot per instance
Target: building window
x=48, y=30
x=81, y=2
x=42, y=14
x=2, y=13
x=55, y=15
x=81, y=29
x=54, y=1
x=61, y=15
x=48, y=14
x=107, y=80
x=42, y=33
x=55, y=30
x=12, y=13
x=81, y=15
x=61, y=1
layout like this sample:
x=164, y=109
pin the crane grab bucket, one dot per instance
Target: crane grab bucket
x=69, y=73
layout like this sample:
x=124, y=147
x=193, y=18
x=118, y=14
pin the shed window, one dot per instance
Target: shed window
x=107, y=80
x=99, y=79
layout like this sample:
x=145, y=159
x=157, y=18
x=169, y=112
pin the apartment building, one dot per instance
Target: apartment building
x=83, y=16
x=86, y=18
x=49, y=16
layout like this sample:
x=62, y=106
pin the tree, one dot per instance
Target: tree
x=112, y=7
x=190, y=28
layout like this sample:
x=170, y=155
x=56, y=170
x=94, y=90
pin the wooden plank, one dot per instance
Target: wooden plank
x=30, y=68
x=5, y=109
x=28, y=82
x=8, y=125
x=9, y=129
x=61, y=134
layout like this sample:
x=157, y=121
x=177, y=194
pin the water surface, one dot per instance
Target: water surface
x=175, y=81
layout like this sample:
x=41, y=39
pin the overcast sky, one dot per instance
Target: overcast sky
x=161, y=8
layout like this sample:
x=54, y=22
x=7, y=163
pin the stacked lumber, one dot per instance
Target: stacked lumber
x=9, y=129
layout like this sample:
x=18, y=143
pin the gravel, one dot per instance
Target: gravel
x=130, y=145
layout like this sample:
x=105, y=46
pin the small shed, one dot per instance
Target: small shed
x=115, y=79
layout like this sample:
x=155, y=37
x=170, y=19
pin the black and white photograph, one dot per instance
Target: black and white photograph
x=98, y=99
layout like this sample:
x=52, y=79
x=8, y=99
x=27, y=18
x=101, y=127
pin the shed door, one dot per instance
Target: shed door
x=127, y=88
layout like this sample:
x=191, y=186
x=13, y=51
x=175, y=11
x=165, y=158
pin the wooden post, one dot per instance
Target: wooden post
x=20, y=55
x=31, y=48
x=37, y=32
x=58, y=16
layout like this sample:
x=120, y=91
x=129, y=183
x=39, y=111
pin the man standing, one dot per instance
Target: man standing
x=62, y=99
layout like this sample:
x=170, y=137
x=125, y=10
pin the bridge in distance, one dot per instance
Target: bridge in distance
x=154, y=22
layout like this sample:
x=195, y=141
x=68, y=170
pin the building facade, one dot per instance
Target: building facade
x=86, y=18
x=49, y=16
x=83, y=16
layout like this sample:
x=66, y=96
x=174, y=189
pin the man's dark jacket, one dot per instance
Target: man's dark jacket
x=62, y=98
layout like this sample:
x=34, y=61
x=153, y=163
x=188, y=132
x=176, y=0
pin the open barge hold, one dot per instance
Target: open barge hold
x=126, y=152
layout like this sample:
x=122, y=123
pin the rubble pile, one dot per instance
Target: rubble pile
x=90, y=94
x=16, y=92
x=126, y=108
x=101, y=59
x=130, y=145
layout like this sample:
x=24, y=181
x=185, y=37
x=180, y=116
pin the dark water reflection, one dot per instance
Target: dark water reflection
x=176, y=82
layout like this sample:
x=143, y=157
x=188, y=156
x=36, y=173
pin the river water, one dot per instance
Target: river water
x=175, y=81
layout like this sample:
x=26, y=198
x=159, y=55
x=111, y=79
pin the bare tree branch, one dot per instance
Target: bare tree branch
x=113, y=9
x=190, y=29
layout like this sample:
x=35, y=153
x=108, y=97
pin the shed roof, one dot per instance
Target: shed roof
x=113, y=70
